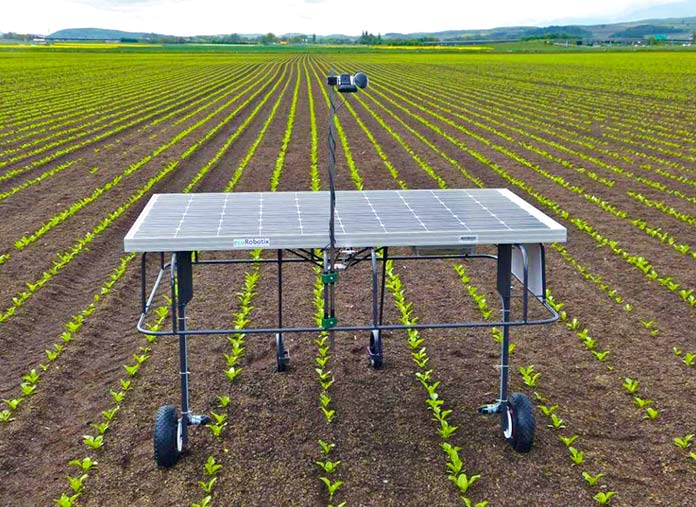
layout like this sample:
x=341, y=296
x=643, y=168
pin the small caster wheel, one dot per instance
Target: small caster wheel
x=517, y=421
x=375, y=350
x=282, y=355
x=167, y=439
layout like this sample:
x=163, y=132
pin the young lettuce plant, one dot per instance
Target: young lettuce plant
x=592, y=479
x=603, y=498
x=331, y=487
x=67, y=501
x=93, y=442
x=684, y=442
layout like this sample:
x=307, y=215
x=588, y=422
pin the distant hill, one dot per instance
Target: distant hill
x=676, y=28
x=102, y=34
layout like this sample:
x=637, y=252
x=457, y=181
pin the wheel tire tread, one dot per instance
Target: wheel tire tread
x=165, y=437
x=524, y=424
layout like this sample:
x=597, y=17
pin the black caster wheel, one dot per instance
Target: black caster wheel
x=282, y=355
x=375, y=350
x=517, y=422
x=167, y=437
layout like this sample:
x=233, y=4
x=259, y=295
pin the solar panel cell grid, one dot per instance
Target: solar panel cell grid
x=172, y=222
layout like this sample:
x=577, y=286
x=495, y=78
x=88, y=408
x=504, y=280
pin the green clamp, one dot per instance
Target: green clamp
x=329, y=322
x=329, y=277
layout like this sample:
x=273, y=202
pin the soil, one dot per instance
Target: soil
x=385, y=437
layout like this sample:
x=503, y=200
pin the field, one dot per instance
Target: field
x=604, y=144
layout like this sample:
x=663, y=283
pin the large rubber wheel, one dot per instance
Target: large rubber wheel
x=375, y=350
x=518, y=424
x=282, y=355
x=166, y=436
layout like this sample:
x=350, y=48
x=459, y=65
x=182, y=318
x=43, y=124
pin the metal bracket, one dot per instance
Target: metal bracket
x=329, y=322
x=329, y=277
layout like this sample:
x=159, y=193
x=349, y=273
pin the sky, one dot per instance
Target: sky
x=321, y=17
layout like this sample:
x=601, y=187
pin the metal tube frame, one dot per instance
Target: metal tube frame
x=181, y=292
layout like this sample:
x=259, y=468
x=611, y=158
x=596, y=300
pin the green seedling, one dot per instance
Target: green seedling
x=600, y=356
x=325, y=400
x=216, y=429
x=684, y=442
x=328, y=466
x=223, y=401
x=469, y=503
x=27, y=389
x=577, y=457
x=110, y=414
x=31, y=378
x=322, y=361
x=5, y=416
x=325, y=385
x=13, y=403
x=689, y=358
x=323, y=351
x=420, y=357
x=206, y=501
x=207, y=487
x=117, y=396
x=592, y=479
x=603, y=498
x=432, y=388
x=631, y=385
x=324, y=375
x=93, y=442
x=528, y=376
x=233, y=372
x=232, y=359
x=219, y=418
x=446, y=430
x=651, y=413
x=328, y=414
x=556, y=422
x=125, y=384
x=547, y=411
x=66, y=501
x=692, y=455
x=77, y=483
x=85, y=464
x=573, y=325
x=342, y=504
x=589, y=343
x=434, y=403
x=415, y=342
x=101, y=427
x=52, y=355
x=568, y=441
x=464, y=482
x=140, y=358
x=454, y=463
x=424, y=377
x=211, y=467
x=647, y=324
x=132, y=370
x=326, y=446
x=331, y=487
x=641, y=403
x=441, y=415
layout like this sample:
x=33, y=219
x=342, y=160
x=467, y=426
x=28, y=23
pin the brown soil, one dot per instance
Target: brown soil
x=385, y=438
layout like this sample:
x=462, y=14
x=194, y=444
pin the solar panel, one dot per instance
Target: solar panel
x=285, y=220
